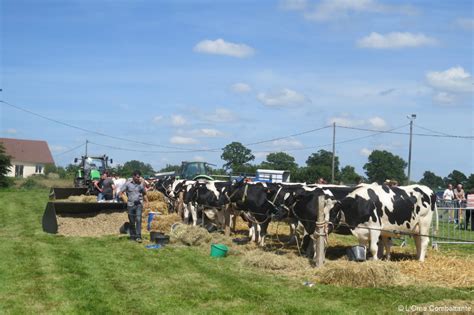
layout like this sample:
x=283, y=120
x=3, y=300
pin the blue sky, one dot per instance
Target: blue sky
x=197, y=75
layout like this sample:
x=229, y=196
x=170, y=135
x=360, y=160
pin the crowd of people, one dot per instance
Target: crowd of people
x=460, y=202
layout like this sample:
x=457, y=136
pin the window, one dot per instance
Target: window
x=18, y=170
x=39, y=169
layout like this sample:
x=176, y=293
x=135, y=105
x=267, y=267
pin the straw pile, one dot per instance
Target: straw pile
x=440, y=270
x=104, y=223
x=367, y=274
x=271, y=261
x=81, y=198
x=154, y=195
x=163, y=223
x=189, y=235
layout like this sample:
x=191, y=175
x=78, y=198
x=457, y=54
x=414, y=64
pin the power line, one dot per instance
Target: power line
x=62, y=153
x=141, y=151
x=430, y=130
x=286, y=137
x=91, y=131
x=407, y=133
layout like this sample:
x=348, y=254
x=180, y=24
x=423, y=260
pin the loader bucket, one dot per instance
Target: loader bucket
x=64, y=193
x=54, y=208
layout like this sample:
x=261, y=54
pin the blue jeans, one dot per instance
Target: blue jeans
x=135, y=218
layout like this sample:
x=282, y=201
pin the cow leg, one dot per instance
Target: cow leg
x=193, y=211
x=423, y=242
x=380, y=247
x=293, y=236
x=263, y=232
x=417, y=239
x=374, y=237
x=387, y=241
x=185, y=215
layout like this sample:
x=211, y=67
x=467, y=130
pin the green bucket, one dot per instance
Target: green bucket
x=218, y=250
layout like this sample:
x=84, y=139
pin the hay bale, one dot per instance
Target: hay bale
x=189, y=235
x=440, y=270
x=163, y=223
x=270, y=261
x=157, y=206
x=154, y=195
x=366, y=274
x=82, y=198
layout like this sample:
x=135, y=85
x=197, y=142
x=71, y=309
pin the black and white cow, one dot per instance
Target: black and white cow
x=254, y=200
x=376, y=210
x=211, y=198
x=301, y=204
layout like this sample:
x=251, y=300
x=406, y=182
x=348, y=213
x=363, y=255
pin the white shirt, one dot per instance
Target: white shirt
x=448, y=194
x=119, y=182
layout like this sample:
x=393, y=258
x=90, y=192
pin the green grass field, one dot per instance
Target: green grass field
x=42, y=273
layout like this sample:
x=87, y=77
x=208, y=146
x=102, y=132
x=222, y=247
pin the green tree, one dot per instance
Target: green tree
x=455, y=177
x=348, y=175
x=384, y=165
x=319, y=164
x=237, y=157
x=469, y=183
x=127, y=168
x=5, y=164
x=170, y=168
x=279, y=161
x=431, y=180
x=71, y=170
x=51, y=168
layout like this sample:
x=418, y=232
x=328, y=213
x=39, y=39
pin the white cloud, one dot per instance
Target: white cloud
x=157, y=119
x=221, y=115
x=199, y=158
x=378, y=123
x=334, y=9
x=241, y=88
x=465, y=23
x=11, y=131
x=221, y=47
x=454, y=79
x=365, y=152
x=284, y=97
x=178, y=120
x=444, y=98
x=395, y=40
x=293, y=5
x=206, y=132
x=260, y=154
x=287, y=143
x=346, y=121
x=57, y=148
x=183, y=140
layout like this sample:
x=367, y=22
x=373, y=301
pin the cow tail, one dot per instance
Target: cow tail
x=437, y=219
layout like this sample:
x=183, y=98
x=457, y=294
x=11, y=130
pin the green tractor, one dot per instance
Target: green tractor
x=195, y=171
x=90, y=169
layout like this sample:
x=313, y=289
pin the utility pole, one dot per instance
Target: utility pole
x=87, y=141
x=333, y=150
x=412, y=118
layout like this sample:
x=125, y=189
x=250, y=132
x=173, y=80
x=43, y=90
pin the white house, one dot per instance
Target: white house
x=28, y=157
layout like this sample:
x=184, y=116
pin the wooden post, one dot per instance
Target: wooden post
x=320, y=246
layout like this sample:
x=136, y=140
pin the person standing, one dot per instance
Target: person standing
x=460, y=198
x=107, y=187
x=136, y=195
x=448, y=197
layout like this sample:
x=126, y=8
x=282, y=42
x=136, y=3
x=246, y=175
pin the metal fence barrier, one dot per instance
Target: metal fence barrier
x=456, y=223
